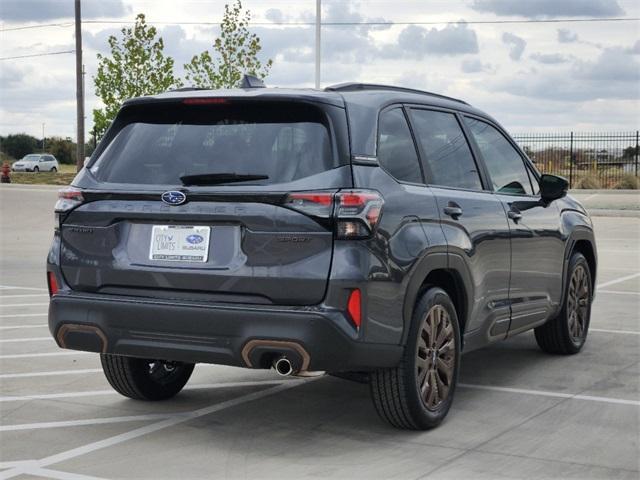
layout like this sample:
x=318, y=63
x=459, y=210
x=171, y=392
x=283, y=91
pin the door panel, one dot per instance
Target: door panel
x=537, y=248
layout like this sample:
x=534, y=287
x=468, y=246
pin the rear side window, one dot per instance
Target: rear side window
x=448, y=156
x=158, y=144
x=505, y=165
x=396, y=150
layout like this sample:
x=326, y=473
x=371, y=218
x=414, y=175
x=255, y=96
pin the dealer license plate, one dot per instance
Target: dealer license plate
x=180, y=243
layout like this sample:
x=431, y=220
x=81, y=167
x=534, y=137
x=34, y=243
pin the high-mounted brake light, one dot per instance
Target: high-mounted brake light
x=354, y=307
x=204, y=101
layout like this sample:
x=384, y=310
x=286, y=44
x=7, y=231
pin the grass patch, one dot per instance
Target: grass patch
x=44, y=178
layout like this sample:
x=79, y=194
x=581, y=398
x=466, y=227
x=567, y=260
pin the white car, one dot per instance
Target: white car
x=36, y=162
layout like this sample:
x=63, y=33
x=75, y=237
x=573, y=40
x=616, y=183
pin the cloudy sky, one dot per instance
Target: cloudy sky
x=531, y=76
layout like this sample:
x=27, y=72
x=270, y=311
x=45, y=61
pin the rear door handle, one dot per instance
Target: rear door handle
x=514, y=215
x=453, y=211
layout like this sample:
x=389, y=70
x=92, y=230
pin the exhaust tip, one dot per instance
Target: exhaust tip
x=283, y=366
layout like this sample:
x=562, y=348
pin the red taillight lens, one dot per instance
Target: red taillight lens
x=358, y=212
x=52, y=283
x=317, y=204
x=354, y=307
x=205, y=101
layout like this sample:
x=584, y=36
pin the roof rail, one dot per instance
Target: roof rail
x=354, y=86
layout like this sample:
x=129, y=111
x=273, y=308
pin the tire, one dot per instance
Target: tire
x=144, y=379
x=566, y=334
x=53, y=170
x=396, y=393
x=36, y=169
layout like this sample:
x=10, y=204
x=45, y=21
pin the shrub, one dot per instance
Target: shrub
x=589, y=181
x=628, y=182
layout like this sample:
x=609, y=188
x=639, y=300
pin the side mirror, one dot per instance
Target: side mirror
x=553, y=187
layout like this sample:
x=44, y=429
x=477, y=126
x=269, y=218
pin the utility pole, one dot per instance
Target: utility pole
x=43, y=145
x=79, y=89
x=318, y=21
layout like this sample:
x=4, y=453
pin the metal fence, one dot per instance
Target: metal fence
x=588, y=160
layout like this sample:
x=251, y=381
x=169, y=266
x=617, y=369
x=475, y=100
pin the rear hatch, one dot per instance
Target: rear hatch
x=208, y=199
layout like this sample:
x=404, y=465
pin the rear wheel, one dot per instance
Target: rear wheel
x=36, y=169
x=567, y=333
x=418, y=393
x=144, y=379
x=54, y=169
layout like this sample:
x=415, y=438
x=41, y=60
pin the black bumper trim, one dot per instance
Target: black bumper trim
x=214, y=333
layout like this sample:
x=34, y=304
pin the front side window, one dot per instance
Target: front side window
x=396, y=150
x=447, y=154
x=506, y=167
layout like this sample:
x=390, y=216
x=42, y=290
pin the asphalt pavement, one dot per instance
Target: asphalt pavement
x=519, y=413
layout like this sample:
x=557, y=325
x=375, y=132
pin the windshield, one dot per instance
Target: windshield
x=269, y=143
x=31, y=158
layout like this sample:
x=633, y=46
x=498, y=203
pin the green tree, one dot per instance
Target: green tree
x=18, y=145
x=235, y=52
x=62, y=148
x=137, y=66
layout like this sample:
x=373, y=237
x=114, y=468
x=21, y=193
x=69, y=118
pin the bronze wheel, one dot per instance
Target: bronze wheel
x=418, y=393
x=578, y=298
x=566, y=333
x=436, y=355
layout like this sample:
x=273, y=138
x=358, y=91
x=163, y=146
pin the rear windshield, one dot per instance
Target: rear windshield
x=158, y=144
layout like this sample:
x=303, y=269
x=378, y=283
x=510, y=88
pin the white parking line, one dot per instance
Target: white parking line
x=14, y=327
x=95, y=393
x=618, y=292
x=24, y=304
x=13, y=287
x=51, y=373
x=545, y=393
x=48, y=354
x=16, y=315
x=147, y=429
x=25, y=295
x=57, y=474
x=623, y=332
x=87, y=421
x=618, y=280
x=27, y=339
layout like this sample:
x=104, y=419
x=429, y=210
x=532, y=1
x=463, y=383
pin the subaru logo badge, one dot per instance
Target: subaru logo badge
x=195, y=239
x=173, y=197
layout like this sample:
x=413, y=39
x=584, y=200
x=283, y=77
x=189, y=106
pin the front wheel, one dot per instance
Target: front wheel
x=418, y=393
x=567, y=333
x=145, y=379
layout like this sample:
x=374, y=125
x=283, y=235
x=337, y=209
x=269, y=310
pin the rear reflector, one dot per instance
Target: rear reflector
x=53, y=283
x=354, y=308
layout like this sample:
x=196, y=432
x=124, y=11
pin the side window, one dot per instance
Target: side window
x=43, y=159
x=505, y=165
x=447, y=154
x=396, y=150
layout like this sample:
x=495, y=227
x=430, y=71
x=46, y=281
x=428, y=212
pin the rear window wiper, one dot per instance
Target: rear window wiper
x=219, y=178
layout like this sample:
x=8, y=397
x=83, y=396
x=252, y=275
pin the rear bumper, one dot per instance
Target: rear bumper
x=243, y=336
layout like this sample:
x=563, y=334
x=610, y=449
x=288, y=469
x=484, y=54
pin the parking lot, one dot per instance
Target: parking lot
x=519, y=413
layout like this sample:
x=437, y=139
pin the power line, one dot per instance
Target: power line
x=345, y=24
x=37, y=55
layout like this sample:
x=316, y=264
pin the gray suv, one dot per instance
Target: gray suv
x=368, y=231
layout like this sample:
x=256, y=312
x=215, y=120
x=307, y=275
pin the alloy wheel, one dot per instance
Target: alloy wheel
x=436, y=357
x=578, y=303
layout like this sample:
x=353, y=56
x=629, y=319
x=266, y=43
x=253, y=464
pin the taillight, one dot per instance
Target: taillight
x=317, y=204
x=68, y=198
x=357, y=212
x=354, y=307
x=52, y=283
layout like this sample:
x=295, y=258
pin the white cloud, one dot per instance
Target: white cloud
x=516, y=45
x=550, y=8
